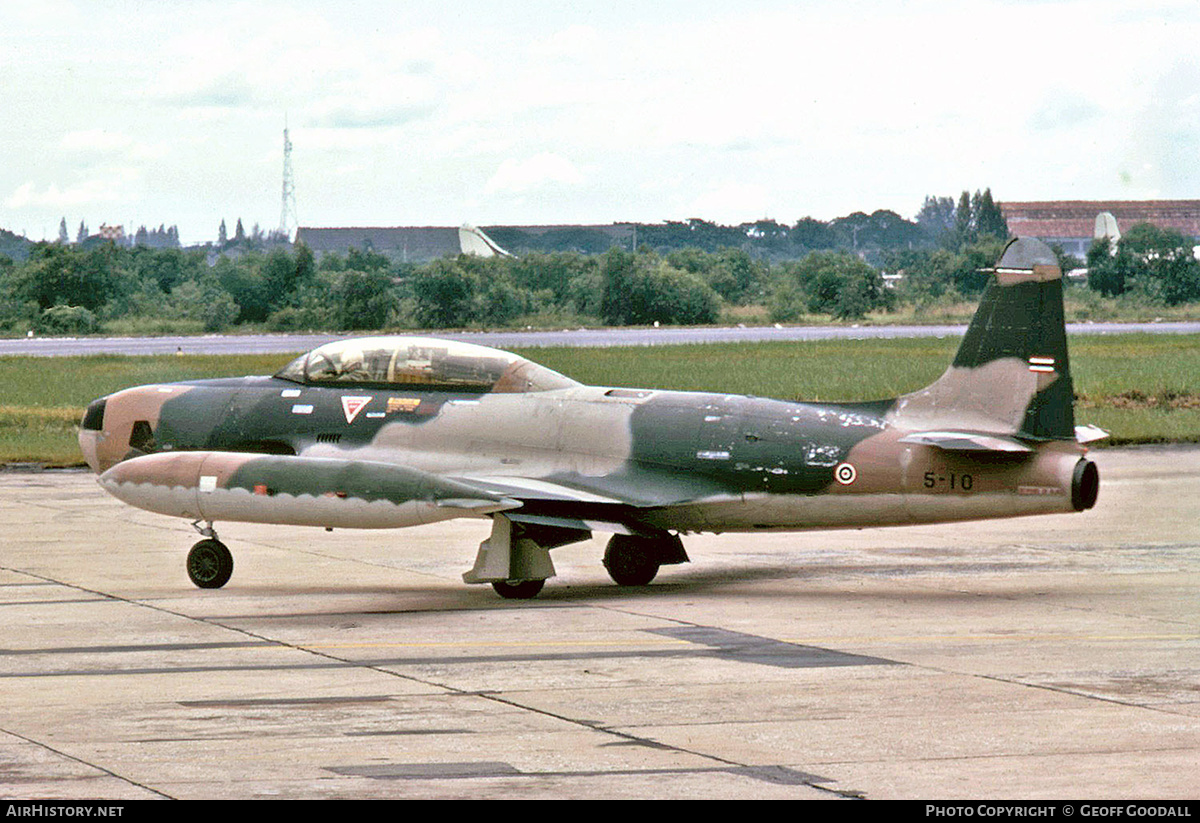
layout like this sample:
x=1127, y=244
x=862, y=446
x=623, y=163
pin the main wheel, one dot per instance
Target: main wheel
x=210, y=564
x=518, y=589
x=631, y=560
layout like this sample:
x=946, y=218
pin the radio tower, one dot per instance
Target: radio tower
x=287, y=215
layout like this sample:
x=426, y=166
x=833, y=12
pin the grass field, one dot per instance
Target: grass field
x=1141, y=388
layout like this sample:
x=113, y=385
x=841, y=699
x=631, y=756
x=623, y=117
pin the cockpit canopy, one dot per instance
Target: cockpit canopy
x=421, y=363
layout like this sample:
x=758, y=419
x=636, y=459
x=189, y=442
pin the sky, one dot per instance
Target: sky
x=405, y=113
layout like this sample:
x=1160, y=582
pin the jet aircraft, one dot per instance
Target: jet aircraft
x=385, y=432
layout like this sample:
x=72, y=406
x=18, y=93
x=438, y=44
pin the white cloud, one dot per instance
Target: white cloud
x=538, y=172
x=731, y=203
x=87, y=193
x=546, y=111
x=96, y=140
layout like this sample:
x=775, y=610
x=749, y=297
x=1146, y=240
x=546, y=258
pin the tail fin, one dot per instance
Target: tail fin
x=1011, y=375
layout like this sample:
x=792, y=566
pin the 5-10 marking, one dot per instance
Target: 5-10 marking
x=956, y=482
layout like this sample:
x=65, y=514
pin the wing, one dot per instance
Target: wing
x=620, y=503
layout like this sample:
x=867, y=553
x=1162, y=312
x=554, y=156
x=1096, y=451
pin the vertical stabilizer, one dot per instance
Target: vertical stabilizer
x=1011, y=374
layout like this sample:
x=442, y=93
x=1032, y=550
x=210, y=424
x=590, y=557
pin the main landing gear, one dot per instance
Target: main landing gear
x=518, y=589
x=209, y=563
x=631, y=560
x=634, y=560
x=515, y=558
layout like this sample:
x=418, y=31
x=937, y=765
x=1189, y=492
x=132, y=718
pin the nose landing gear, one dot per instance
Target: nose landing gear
x=209, y=563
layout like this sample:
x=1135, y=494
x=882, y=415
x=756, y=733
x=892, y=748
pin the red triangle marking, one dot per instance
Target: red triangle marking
x=351, y=406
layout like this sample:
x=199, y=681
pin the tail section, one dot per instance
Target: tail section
x=1011, y=376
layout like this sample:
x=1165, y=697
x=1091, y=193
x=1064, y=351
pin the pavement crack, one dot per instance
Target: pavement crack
x=68, y=756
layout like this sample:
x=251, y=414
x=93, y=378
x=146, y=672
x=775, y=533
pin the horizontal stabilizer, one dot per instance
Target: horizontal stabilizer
x=1089, y=433
x=956, y=441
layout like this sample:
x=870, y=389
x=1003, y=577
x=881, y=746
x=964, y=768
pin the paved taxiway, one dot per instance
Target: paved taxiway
x=616, y=336
x=1047, y=657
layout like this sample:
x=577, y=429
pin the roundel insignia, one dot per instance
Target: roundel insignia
x=845, y=473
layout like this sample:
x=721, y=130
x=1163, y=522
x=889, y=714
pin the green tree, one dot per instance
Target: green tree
x=284, y=274
x=367, y=260
x=66, y=320
x=641, y=289
x=243, y=280
x=167, y=267
x=69, y=276
x=841, y=284
x=964, y=221
x=364, y=299
x=559, y=274
x=973, y=265
x=1161, y=262
x=445, y=293
x=989, y=219
x=936, y=218
x=812, y=234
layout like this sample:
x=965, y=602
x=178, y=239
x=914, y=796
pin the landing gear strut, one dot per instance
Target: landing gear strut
x=209, y=563
x=515, y=558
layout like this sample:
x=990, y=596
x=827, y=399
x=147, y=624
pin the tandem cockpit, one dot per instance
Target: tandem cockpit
x=421, y=364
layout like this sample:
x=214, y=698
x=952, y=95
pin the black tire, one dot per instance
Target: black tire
x=518, y=589
x=631, y=560
x=210, y=564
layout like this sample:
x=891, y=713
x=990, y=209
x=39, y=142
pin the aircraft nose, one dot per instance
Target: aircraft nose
x=91, y=433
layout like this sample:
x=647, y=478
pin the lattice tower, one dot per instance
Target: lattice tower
x=288, y=221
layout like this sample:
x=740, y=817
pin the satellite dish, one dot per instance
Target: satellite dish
x=473, y=241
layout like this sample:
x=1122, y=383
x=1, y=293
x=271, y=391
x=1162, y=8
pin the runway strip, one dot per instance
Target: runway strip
x=287, y=343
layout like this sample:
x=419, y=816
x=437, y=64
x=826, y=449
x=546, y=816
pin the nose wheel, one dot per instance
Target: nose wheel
x=210, y=564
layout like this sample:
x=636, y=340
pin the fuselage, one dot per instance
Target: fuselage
x=684, y=461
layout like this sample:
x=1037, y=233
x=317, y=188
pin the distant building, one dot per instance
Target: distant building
x=1071, y=224
x=420, y=244
x=403, y=244
x=114, y=233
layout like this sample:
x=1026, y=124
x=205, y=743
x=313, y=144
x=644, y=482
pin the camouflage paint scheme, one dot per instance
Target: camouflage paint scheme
x=391, y=432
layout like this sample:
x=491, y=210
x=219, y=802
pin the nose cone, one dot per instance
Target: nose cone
x=123, y=424
x=91, y=433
